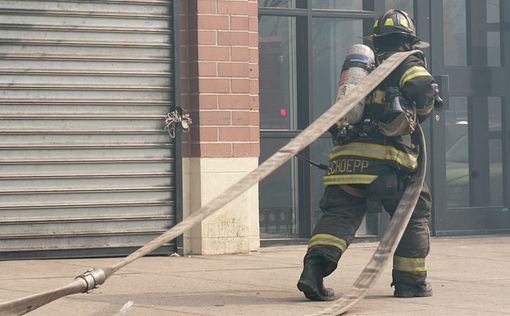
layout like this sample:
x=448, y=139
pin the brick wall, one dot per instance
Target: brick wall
x=219, y=77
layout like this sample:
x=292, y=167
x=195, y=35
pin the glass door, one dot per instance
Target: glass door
x=302, y=45
x=470, y=145
x=278, y=202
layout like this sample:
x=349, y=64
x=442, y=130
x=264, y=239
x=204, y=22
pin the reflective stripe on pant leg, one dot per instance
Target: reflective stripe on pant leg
x=341, y=216
x=405, y=264
x=327, y=240
x=414, y=246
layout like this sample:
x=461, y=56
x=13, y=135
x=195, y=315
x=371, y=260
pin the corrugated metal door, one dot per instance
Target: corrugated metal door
x=86, y=168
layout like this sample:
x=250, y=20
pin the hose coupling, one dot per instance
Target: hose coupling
x=93, y=278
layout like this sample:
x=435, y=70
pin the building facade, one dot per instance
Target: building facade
x=220, y=88
x=87, y=168
x=302, y=47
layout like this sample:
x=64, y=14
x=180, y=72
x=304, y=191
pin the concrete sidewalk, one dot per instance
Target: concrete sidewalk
x=470, y=276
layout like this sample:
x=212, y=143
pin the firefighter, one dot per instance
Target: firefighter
x=370, y=166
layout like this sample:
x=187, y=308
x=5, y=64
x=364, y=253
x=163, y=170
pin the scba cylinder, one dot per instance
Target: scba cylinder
x=358, y=63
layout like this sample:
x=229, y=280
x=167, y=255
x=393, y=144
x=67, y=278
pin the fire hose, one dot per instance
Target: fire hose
x=91, y=279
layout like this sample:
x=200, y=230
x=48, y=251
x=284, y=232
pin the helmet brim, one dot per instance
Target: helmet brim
x=419, y=44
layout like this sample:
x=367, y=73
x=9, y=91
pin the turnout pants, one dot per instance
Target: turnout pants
x=342, y=212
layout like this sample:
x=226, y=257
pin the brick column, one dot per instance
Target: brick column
x=219, y=86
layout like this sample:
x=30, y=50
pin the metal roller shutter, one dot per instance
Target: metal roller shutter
x=86, y=168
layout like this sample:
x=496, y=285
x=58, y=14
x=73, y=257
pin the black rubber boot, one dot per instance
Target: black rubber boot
x=417, y=290
x=311, y=283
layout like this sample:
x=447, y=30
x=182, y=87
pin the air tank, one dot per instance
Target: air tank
x=358, y=63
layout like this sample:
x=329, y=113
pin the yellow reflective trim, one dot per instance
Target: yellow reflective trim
x=389, y=22
x=328, y=236
x=378, y=97
x=418, y=74
x=407, y=259
x=410, y=71
x=325, y=243
x=400, y=157
x=403, y=22
x=403, y=159
x=376, y=23
x=406, y=269
x=349, y=179
x=328, y=240
x=409, y=264
x=361, y=146
x=359, y=154
x=378, y=152
x=364, y=176
x=426, y=110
